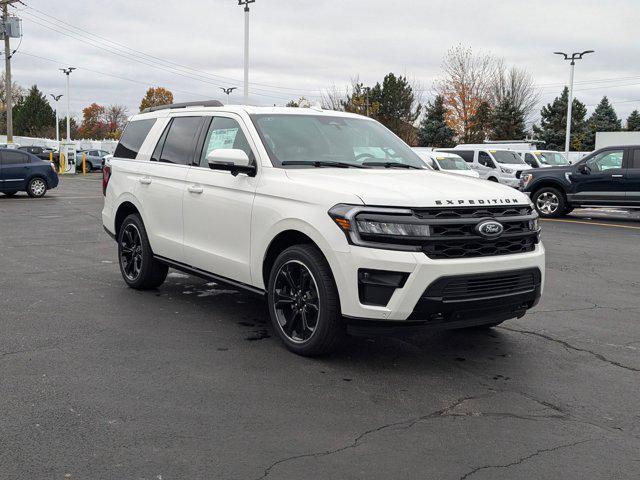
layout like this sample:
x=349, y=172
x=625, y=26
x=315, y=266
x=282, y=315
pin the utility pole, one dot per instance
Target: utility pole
x=246, y=48
x=56, y=98
x=574, y=56
x=67, y=72
x=7, y=69
x=366, y=92
x=228, y=91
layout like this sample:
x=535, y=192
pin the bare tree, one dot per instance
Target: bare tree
x=465, y=85
x=515, y=85
x=115, y=117
x=334, y=98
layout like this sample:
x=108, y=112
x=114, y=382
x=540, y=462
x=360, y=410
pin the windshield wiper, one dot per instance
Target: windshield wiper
x=389, y=165
x=321, y=163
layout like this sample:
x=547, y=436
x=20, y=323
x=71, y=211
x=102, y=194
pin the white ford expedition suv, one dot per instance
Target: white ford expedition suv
x=327, y=215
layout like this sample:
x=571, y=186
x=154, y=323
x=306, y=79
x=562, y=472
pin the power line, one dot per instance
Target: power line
x=141, y=56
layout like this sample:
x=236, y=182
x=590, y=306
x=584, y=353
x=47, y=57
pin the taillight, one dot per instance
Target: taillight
x=106, y=174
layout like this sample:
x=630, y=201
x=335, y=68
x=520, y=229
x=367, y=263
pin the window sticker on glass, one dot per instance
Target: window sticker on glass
x=223, y=138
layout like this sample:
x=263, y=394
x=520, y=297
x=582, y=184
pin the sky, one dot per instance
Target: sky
x=302, y=47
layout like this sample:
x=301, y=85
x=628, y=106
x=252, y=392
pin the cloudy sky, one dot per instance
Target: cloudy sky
x=300, y=47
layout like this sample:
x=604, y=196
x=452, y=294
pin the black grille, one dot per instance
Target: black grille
x=493, y=285
x=479, y=248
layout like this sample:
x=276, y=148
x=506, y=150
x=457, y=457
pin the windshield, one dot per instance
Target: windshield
x=452, y=163
x=506, y=156
x=552, y=158
x=302, y=139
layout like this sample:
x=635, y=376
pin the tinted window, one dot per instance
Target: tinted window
x=635, y=161
x=529, y=160
x=466, y=154
x=179, y=144
x=14, y=158
x=485, y=159
x=608, y=160
x=132, y=138
x=224, y=133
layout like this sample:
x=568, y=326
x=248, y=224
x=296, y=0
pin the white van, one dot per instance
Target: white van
x=543, y=158
x=446, y=162
x=502, y=166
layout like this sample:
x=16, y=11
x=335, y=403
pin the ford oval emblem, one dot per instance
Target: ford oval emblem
x=490, y=229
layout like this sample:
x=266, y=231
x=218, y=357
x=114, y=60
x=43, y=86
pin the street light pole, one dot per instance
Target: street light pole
x=228, y=91
x=574, y=56
x=56, y=98
x=246, y=48
x=67, y=72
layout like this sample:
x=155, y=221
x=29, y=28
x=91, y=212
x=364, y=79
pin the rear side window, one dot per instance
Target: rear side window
x=133, y=137
x=14, y=158
x=465, y=154
x=635, y=161
x=180, y=140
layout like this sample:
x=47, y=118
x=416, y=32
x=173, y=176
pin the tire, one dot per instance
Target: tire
x=10, y=194
x=568, y=210
x=549, y=202
x=303, y=302
x=138, y=267
x=37, y=187
x=493, y=179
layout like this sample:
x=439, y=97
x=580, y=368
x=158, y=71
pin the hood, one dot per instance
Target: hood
x=561, y=169
x=407, y=188
x=466, y=173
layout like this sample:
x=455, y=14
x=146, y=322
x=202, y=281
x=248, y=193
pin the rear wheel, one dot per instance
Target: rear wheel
x=549, y=202
x=137, y=265
x=303, y=302
x=37, y=187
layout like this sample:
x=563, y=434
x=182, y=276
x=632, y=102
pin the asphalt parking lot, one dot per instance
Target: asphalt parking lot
x=99, y=381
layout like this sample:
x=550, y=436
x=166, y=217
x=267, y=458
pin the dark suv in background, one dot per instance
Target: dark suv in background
x=607, y=177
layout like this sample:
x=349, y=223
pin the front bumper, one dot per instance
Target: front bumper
x=422, y=273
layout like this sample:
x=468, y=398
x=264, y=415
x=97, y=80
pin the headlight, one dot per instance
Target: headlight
x=526, y=179
x=390, y=228
x=533, y=224
x=387, y=228
x=506, y=170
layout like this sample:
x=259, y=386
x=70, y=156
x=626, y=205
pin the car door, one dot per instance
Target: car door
x=16, y=168
x=600, y=178
x=486, y=167
x=162, y=185
x=632, y=177
x=217, y=205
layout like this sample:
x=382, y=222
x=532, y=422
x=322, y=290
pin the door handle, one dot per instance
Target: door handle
x=195, y=189
x=145, y=180
x=617, y=175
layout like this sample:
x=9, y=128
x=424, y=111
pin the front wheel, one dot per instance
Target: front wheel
x=303, y=302
x=549, y=202
x=37, y=188
x=137, y=265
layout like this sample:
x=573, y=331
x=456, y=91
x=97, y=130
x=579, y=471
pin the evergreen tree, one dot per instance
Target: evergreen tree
x=603, y=119
x=33, y=116
x=507, y=121
x=553, y=123
x=397, y=108
x=633, y=122
x=434, y=131
x=479, y=124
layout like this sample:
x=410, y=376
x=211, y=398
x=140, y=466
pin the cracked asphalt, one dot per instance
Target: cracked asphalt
x=99, y=381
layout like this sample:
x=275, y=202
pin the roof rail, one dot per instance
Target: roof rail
x=205, y=103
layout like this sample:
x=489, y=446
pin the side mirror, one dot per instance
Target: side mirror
x=231, y=160
x=584, y=169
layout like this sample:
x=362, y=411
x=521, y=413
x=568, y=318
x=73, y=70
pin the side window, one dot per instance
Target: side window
x=635, y=160
x=465, y=154
x=180, y=140
x=14, y=158
x=485, y=159
x=529, y=160
x=133, y=137
x=224, y=133
x=607, y=160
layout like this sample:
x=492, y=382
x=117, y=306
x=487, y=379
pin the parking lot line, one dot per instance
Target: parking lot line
x=591, y=223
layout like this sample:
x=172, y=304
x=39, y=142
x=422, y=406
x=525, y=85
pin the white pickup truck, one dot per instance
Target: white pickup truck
x=328, y=216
